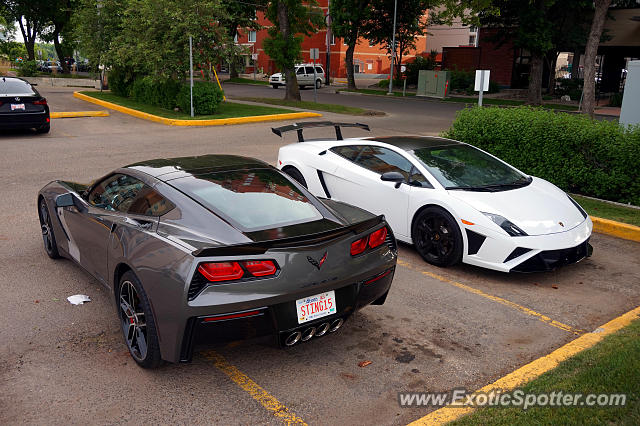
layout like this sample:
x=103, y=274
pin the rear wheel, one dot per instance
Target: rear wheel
x=318, y=84
x=136, y=320
x=48, y=237
x=296, y=175
x=275, y=86
x=437, y=237
x=44, y=129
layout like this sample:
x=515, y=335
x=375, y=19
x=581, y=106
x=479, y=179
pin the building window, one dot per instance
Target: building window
x=252, y=36
x=473, y=29
x=472, y=40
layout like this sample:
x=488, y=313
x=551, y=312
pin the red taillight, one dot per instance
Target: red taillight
x=221, y=271
x=377, y=237
x=232, y=316
x=358, y=246
x=42, y=101
x=260, y=268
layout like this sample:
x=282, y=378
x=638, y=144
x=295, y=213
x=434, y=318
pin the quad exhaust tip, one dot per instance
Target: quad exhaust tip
x=322, y=329
x=336, y=324
x=293, y=338
x=308, y=333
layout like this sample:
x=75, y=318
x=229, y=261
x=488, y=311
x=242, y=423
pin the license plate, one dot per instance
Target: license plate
x=15, y=107
x=314, y=307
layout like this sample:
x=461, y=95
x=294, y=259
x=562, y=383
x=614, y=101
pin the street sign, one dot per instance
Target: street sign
x=314, y=53
x=403, y=68
x=482, y=80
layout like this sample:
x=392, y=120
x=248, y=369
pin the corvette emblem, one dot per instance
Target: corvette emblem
x=561, y=224
x=315, y=262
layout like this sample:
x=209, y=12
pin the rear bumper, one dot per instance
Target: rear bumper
x=280, y=320
x=25, y=120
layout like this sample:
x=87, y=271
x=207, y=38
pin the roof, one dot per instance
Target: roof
x=196, y=165
x=409, y=143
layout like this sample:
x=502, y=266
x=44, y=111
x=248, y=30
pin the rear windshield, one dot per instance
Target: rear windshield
x=250, y=199
x=11, y=87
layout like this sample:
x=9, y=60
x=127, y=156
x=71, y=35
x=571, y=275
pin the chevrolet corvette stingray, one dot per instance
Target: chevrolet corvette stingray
x=217, y=247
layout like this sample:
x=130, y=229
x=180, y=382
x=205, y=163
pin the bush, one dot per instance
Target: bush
x=121, y=81
x=420, y=63
x=157, y=91
x=27, y=69
x=598, y=158
x=569, y=86
x=206, y=98
x=465, y=81
x=385, y=83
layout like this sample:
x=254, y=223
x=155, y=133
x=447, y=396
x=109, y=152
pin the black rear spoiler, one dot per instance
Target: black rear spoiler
x=299, y=127
x=305, y=240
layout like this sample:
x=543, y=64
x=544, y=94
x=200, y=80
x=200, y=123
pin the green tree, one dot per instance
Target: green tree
x=58, y=14
x=590, y=52
x=236, y=14
x=348, y=18
x=96, y=23
x=410, y=23
x=31, y=18
x=292, y=20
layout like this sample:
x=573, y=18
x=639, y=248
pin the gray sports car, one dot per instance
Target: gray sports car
x=217, y=247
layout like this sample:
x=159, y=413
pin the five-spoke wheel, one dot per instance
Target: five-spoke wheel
x=48, y=236
x=437, y=237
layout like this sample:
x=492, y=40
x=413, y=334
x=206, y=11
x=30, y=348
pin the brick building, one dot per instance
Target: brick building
x=368, y=59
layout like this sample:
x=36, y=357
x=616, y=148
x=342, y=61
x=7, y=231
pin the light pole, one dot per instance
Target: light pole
x=393, y=48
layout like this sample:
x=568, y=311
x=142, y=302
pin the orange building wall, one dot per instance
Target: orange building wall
x=371, y=59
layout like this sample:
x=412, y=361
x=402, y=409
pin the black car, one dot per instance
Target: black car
x=22, y=107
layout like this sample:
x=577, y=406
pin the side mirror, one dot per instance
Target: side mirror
x=65, y=200
x=396, y=177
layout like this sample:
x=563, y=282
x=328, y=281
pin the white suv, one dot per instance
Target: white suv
x=304, y=74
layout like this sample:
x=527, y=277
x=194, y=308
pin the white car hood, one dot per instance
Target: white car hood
x=538, y=208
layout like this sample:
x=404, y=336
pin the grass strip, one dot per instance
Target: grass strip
x=507, y=102
x=225, y=110
x=609, y=211
x=338, y=109
x=609, y=367
x=377, y=92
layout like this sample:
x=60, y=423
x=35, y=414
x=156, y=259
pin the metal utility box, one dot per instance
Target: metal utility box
x=434, y=84
x=630, y=111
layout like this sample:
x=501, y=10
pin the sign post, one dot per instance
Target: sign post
x=314, y=54
x=191, y=73
x=482, y=83
x=254, y=58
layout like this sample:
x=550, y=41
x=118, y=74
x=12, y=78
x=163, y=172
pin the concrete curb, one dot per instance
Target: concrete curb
x=73, y=114
x=213, y=122
x=616, y=229
x=532, y=370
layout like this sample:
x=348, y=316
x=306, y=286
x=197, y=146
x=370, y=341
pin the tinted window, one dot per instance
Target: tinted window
x=417, y=179
x=319, y=70
x=300, y=70
x=16, y=87
x=126, y=194
x=250, y=199
x=463, y=166
x=383, y=160
x=309, y=70
x=348, y=152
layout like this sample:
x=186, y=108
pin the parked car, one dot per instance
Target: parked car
x=50, y=66
x=304, y=75
x=222, y=247
x=452, y=201
x=22, y=107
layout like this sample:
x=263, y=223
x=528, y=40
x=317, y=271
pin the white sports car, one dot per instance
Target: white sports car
x=452, y=201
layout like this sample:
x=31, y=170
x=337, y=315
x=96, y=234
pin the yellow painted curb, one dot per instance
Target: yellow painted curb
x=213, y=122
x=532, y=370
x=73, y=114
x=616, y=229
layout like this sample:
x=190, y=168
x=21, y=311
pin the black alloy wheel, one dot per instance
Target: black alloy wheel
x=437, y=237
x=48, y=238
x=138, y=326
x=296, y=175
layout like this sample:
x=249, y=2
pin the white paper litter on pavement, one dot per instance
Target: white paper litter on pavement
x=78, y=299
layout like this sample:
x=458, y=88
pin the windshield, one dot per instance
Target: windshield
x=250, y=199
x=467, y=168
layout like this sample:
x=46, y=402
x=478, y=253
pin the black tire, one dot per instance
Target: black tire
x=437, y=237
x=136, y=322
x=48, y=236
x=296, y=175
x=44, y=129
x=275, y=86
x=318, y=84
x=302, y=87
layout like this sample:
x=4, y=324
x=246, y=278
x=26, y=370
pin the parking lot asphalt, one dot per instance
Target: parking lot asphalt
x=440, y=329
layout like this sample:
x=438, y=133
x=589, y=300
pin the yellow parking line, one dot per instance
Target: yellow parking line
x=73, y=114
x=265, y=399
x=532, y=370
x=537, y=315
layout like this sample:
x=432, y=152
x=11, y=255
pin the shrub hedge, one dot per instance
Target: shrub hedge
x=161, y=92
x=121, y=81
x=27, y=69
x=598, y=158
x=206, y=98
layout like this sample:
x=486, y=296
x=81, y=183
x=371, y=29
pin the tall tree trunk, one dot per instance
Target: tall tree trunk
x=233, y=62
x=575, y=65
x=534, y=96
x=590, y=52
x=292, y=92
x=29, y=36
x=348, y=60
x=60, y=53
x=553, y=62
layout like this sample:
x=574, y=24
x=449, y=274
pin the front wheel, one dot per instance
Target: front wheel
x=275, y=86
x=437, y=237
x=48, y=236
x=136, y=320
